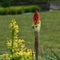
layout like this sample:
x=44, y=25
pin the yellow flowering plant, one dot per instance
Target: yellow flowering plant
x=17, y=48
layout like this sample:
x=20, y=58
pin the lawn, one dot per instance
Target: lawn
x=49, y=35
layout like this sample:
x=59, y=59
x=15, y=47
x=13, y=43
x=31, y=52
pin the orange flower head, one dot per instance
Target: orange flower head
x=36, y=17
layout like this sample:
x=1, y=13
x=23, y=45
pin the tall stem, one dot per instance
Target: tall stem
x=12, y=42
x=36, y=45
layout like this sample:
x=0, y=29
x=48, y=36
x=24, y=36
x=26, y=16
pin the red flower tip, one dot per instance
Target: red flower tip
x=36, y=17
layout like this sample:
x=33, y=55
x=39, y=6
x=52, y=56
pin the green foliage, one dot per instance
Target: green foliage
x=48, y=54
x=4, y=11
x=54, y=56
x=31, y=9
x=18, y=9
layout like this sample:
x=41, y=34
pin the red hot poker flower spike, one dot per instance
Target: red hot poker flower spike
x=36, y=17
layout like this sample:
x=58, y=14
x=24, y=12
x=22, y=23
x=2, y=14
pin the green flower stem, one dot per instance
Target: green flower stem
x=12, y=41
x=36, y=45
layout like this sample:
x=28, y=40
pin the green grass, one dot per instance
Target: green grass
x=49, y=34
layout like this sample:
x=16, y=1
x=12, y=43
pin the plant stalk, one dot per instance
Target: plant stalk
x=36, y=45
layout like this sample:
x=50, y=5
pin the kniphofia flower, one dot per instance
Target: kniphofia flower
x=36, y=17
x=36, y=21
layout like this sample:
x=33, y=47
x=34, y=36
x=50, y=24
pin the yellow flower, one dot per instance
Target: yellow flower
x=18, y=46
x=20, y=53
x=15, y=45
x=21, y=41
x=14, y=26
